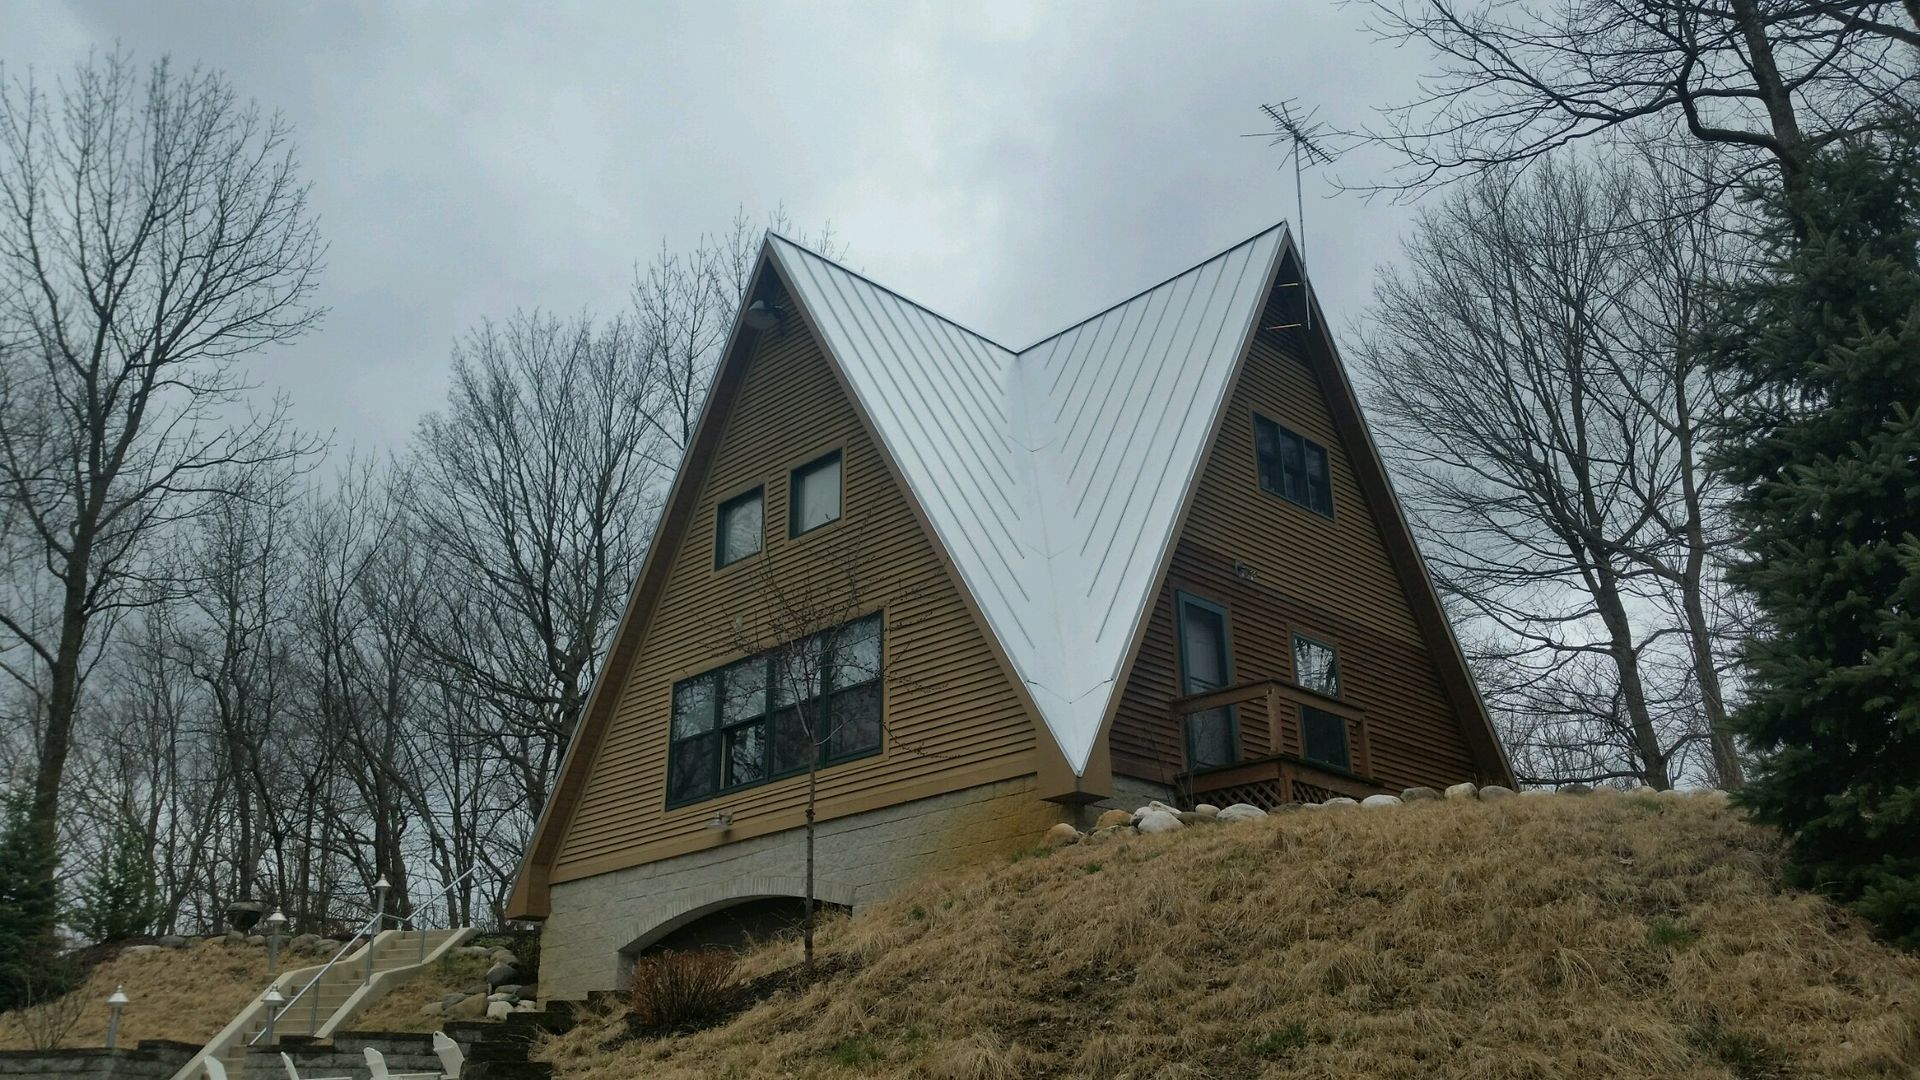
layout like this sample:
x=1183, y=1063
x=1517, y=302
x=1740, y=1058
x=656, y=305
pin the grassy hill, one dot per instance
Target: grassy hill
x=183, y=994
x=1594, y=936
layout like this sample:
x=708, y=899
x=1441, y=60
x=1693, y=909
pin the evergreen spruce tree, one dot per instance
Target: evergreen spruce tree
x=29, y=952
x=1824, y=449
x=122, y=897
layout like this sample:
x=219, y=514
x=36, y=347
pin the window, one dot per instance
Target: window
x=748, y=722
x=1323, y=735
x=1316, y=666
x=1206, y=664
x=814, y=495
x=1292, y=467
x=737, y=531
x=1323, y=738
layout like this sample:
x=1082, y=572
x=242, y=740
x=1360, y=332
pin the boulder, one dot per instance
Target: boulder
x=473, y=950
x=1575, y=789
x=1241, y=812
x=1114, y=817
x=501, y=973
x=526, y=1006
x=453, y=999
x=1418, y=794
x=1462, y=791
x=1208, y=809
x=139, y=950
x=235, y=937
x=303, y=943
x=468, y=1008
x=477, y=988
x=502, y=956
x=1195, y=817
x=1340, y=800
x=1153, y=807
x=1159, y=821
x=1312, y=806
x=258, y=941
x=511, y=989
x=173, y=941
x=1536, y=792
x=1671, y=793
x=498, y=1010
x=434, y=1008
x=1494, y=793
x=1375, y=802
x=498, y=996
x=1062, y=835
x=1109, y=834
x=327, y=946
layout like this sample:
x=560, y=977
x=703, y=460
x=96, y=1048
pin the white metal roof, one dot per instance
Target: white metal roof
x=1053, y=476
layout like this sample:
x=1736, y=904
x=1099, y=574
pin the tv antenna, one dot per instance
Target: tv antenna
x=1299, y=133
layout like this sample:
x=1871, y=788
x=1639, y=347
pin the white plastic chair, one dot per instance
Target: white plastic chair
x=215, y=1070
x=451, y=1059
x=377, y=1065
x=294, y=1074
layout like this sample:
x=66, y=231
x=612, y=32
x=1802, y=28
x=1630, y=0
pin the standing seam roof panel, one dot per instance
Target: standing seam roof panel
x=1052, y=476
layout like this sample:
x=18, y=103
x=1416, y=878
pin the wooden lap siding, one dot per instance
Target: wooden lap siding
x=952, y=718
x=1331, y=580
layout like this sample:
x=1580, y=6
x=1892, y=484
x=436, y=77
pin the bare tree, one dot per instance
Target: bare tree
x=1530, y=369
x=1775, y=80
x=153, y=231
x=683, y=307
x=534, y=493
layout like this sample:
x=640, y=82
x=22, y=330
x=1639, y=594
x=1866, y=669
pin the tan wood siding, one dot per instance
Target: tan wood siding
x=1331, y=580
x=953, y=719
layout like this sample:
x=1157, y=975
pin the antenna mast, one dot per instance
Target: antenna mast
x=1300, y=135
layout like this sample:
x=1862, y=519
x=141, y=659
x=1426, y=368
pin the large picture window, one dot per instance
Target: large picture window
x=770, y=715
x=1292, y=466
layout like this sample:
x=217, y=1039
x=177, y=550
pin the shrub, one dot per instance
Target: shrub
x=678, y=990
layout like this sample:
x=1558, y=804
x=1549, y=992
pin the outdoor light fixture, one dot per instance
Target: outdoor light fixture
x=276, y=922
x=273, y=1000
x=721, y=821
x=115, y=1002
x=761, y=315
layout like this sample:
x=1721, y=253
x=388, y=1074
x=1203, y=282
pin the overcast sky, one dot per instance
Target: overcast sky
x=1015, y=166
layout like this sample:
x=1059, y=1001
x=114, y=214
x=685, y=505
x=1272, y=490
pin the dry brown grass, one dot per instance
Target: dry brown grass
x=1598, y=936
x=400, y=1009
x=183, y=994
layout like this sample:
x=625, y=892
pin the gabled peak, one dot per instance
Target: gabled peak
x=1052, y=477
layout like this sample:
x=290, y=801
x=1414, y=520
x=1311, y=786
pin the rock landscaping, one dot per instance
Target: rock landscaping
x=1158, y=817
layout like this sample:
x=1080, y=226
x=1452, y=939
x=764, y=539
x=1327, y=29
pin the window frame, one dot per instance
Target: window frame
x=1350, y=746
x=1181, y=598
x=1332, y=648
x=720, y=560
x=1282, y=433
x=794, y=532
x=722, y=731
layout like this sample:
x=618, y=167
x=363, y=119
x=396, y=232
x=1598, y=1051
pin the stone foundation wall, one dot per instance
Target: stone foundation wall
x=598, y=924
x=152, y=1059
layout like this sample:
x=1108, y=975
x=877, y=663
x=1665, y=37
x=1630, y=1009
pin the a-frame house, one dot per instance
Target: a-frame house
x=1154, y=555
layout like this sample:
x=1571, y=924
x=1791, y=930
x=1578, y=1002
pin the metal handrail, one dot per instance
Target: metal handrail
x=366, y=930
x=370, y=930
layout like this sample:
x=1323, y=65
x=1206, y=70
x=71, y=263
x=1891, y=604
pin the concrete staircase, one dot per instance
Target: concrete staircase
x=340, y=992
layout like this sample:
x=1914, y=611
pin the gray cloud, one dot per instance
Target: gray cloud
x=1017, y=166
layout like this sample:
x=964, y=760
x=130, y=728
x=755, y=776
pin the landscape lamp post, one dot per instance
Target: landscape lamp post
x=273, y=999
x=379, y=918
x=276, y=922
x=115, y=1002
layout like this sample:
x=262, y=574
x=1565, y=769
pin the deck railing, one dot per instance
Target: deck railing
x=1270, y=768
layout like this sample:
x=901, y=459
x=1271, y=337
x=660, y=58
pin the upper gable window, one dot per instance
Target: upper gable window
x=815, y=495
x=1292, y=466
x=738, y=528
